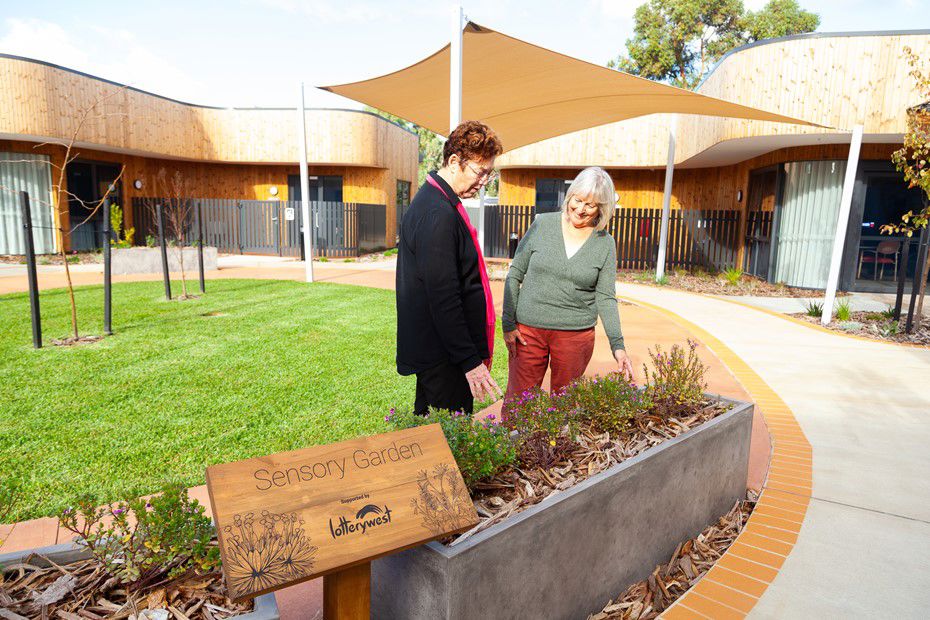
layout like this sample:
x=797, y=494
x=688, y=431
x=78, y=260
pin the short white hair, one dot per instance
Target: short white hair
x=594, y=182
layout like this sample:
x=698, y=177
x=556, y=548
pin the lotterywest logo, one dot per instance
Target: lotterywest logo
x=369, y=516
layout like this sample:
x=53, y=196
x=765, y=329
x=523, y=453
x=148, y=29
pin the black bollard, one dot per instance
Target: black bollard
x=200, y=248
x=164, y=251
x=31, y=274
x=512, y=245
x=107, y=288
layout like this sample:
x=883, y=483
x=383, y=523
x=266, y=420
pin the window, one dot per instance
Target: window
x=549, y=194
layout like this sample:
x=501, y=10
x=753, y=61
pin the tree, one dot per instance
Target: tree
x=85, y=117
x=178, y=209
x=430, y=144
x=912, y=161
x=678, y=41
x=779, y=18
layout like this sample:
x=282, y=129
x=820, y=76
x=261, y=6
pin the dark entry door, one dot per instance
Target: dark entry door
x=88, y=182
x=760, y=205
x=328, y=216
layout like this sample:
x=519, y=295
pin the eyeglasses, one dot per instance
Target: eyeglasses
x=483, y=176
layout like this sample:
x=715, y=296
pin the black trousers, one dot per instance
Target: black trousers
x=443, y=387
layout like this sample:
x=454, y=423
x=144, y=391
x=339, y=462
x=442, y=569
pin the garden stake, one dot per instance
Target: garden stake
x=164, y=251
x=107, y=284
x=200, y=247
x=31, y=275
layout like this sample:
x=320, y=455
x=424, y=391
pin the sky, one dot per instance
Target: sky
x=254, y=53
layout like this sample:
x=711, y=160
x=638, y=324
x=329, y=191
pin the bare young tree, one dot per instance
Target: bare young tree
x=178, y=207
x=87, y=116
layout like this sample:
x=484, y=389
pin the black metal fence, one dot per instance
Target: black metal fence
x=706, y=239
x=340, y=229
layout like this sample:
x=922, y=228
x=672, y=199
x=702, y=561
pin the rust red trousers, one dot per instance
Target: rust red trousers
x=567, y=352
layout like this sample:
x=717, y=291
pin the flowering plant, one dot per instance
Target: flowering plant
x=537, y=411
x=676, y=382
x=609, y=402
x=480, y=448
x=141, y=542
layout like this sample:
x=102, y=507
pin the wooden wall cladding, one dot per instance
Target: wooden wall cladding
x=692, y=188
x=44, y=101
x=837, y=81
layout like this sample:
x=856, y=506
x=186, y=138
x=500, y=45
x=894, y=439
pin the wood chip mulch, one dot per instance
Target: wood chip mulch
x=71, y=341
x=647, y=599
x=873, y=325
x=517, y=489
x=711, y=284
x=84, y=591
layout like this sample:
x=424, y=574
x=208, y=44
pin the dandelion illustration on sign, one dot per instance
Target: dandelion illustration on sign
x=275, y=552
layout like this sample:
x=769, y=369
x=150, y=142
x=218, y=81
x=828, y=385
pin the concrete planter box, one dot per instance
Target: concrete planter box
x=265, y=606
x=570, y=554
x=148, y=260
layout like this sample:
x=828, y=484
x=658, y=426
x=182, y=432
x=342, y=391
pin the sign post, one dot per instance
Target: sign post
x=330, y=510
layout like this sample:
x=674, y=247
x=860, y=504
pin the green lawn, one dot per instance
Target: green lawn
x=285, y=365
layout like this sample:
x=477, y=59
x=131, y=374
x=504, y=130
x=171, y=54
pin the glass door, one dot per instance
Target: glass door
x=873, y=260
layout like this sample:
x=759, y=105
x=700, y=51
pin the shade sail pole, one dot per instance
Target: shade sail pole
x=455, y=68
x=666, y=199
x=305, y=189
x=842, y=222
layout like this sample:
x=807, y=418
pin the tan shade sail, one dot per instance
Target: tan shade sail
x=528, y=93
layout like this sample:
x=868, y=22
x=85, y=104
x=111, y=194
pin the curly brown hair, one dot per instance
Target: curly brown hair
x=472, y=141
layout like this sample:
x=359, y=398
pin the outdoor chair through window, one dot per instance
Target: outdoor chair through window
x=885, y=253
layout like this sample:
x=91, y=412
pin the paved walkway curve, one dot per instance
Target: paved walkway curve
x=862, y=547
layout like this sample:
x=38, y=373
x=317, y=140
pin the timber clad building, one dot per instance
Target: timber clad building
x=228, y=157
x=758, y=195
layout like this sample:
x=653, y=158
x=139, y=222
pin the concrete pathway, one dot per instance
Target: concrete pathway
x=863, y=550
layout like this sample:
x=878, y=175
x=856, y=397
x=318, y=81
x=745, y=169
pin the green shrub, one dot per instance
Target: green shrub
x=676, y=382
x=142, y=542
x=537, y=411
x=391, y=252
x=888, y=313
x=843, y=311
x=814, y=308
x=732, y=275
x=481, y=449
x=150, y=241
x=608, y=403
x=663, y=280
x=889, y=329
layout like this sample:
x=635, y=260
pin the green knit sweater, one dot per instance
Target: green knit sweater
x=546, y=289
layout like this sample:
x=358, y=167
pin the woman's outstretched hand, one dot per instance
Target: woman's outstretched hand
x=511, y=339
x=482, y=384
x=624, y=365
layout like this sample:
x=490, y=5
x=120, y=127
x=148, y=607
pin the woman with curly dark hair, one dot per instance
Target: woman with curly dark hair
x=445, y=313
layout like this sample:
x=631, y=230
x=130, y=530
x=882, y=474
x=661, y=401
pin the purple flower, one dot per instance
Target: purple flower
x=491, y=416
x=387, y=418
x=117, y=511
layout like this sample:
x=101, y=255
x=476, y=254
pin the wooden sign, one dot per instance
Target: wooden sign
x=293, y=516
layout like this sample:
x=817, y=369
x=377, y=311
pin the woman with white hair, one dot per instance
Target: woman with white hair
x=563, y=277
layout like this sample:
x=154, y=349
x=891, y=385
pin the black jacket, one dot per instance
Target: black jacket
x=440, y=298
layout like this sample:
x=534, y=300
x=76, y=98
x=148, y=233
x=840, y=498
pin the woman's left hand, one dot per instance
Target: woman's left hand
x=624, y=365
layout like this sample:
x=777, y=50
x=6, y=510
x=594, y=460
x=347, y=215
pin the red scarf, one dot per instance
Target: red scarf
x=485, y=282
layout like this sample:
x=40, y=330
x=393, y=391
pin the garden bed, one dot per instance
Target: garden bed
x=718, y=283
x=580, y=493
x=562, y=556
x=63, y=581
x=878, y=326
